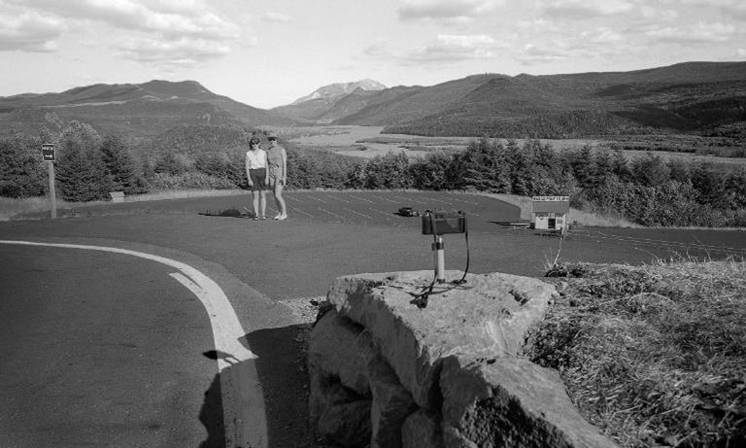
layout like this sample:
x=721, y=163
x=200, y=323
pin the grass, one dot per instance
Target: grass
x=654, y=355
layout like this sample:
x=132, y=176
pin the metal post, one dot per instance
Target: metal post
x=52, y=190
x=439, y=258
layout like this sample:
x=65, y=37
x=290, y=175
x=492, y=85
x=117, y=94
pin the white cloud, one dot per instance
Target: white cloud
x=277, y=17
x=445, y=49
x=188, y=26
x=182, y=52
x=29, y=32
x=697, y=33
x=587, y=9
x=732, y=8
x=601, y=43
x=445, y=10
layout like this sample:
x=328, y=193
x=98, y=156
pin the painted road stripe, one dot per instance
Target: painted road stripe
x=300, y=211
x=389, y=214
x=331, y=213
x=357, y=213
x=293, y=198
x=317, y=199
x=408, y=199
x=244, y=415
x=463, y=200
x=362, y=199
x=384, y=199
x=339, y=199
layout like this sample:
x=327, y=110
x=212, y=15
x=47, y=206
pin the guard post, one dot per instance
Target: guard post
x=47, y=151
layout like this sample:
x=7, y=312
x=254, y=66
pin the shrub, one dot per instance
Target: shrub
x=22, y=170
x=189, y=180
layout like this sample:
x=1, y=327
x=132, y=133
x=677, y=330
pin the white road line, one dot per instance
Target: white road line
x=464, y=200
x=408, y=199
x=353, y=211
x=389, y=214
x=300, y=211
x=362, y=199
x=292, y=198
x=339, y=199
x=244, y=415
x=333, y=214
x=384, y=199
x=317, y=199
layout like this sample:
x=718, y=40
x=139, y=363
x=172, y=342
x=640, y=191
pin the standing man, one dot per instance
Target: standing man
x=257, y=170
x=277, y=174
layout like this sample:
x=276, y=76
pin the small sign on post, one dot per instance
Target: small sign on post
x=47, y=151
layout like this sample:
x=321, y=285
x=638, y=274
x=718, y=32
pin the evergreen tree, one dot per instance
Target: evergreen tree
x=650, y=171
x=81, y=172
x=735, y=189
x=120, y=166
x=432, y=172
x=22, y=170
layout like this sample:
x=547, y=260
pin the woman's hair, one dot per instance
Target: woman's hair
x=253, y=140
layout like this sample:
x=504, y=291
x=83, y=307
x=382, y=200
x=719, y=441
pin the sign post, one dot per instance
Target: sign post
x=48, y=152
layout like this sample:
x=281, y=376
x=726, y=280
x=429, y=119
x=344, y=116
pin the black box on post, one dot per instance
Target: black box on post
x=441, y=223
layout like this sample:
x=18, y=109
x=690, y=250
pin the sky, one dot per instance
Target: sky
x=268, y=53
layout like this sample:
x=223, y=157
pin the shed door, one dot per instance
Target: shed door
x=552, y=223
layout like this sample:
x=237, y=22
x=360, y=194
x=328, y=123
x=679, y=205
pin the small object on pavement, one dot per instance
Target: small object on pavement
x=408, y=211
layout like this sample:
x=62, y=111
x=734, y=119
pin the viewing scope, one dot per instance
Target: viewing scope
x=439, y=222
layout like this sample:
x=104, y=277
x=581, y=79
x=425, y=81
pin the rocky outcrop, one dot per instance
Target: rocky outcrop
x=447, y=375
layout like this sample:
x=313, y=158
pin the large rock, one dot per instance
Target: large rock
x=347, y=424
x=332, y=348
x=422, y=430
x=510, y=402
x=391, y=404
x=486, y=318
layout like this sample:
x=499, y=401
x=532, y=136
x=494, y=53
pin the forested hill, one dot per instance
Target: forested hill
x=707, y=98
x=135, y=110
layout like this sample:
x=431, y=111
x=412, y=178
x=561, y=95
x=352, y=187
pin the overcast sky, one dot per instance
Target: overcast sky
x=267, y=53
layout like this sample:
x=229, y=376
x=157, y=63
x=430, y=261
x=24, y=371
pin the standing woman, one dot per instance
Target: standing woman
x=256, y=171
x=277, y=174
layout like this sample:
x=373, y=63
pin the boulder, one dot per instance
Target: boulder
x=486, y=318
x=391, y=404
x=332, y=349
x=510, y=402
x=421, y=430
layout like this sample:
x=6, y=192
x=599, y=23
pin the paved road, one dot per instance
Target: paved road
x=101, y=350
x=261, y=264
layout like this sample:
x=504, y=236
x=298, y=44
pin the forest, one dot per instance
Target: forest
x=649, y=190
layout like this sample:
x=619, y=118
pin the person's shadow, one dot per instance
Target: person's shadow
x=281, y=370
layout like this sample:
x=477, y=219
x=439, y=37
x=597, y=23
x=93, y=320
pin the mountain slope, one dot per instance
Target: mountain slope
x=321, y=105
x=692, y=97
x=134, y=109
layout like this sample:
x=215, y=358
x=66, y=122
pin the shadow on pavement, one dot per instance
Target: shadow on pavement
x=281, y=367
x=211, y=416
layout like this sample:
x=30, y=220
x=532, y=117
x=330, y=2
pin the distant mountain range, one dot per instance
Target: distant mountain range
x=696, y=97
x=140, y=110
x=707, y=98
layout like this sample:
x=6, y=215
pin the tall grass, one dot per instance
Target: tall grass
x=654, y=355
